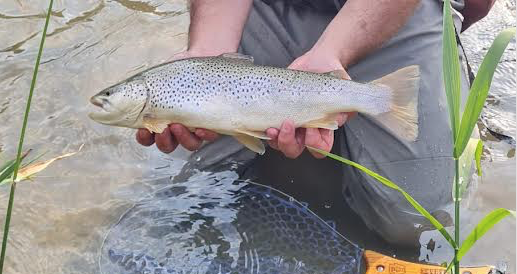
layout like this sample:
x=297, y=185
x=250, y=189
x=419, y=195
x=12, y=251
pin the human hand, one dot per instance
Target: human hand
x=292, y=141
x=176, y=134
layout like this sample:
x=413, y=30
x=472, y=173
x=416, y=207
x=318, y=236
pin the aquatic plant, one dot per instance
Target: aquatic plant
x=465, y=148
x=11, y=168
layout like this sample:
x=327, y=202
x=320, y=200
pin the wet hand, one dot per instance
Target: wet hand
x=292, y=141
x=174, y=135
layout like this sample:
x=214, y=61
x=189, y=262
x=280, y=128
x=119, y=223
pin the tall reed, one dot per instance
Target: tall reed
x=16, y=165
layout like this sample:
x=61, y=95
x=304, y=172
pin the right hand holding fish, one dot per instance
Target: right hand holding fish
x=292, y=141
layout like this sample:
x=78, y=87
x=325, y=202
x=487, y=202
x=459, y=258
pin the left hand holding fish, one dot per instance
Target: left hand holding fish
x=292, y=141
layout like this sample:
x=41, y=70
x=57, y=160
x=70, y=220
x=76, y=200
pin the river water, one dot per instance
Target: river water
x=61, y=218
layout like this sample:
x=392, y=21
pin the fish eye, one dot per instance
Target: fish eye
x=107, y=93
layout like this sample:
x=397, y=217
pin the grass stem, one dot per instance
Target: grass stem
x=456, y=215
x=20, y=143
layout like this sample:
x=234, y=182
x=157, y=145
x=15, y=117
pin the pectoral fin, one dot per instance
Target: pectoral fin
x=328, y=122
x=155, y=125
x=251, y=142
x=256, y=134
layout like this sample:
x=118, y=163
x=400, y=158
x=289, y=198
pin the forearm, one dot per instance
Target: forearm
x=216, y=25
x=362, y=26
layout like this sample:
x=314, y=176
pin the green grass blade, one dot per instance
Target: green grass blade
x=20, y=143
x=451, y=69
x=6, y=165
x=451, y=264
x=479, y=152
x=7, y=172
x=465, y=166
x=480, y=88
x=482, y=227
x=392, y=185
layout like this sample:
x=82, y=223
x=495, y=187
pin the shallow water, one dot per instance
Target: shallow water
x=61, y=219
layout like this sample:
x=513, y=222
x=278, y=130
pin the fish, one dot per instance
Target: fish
x=231, y=95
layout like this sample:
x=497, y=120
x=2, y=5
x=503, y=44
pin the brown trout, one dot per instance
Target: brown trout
x=231, y=95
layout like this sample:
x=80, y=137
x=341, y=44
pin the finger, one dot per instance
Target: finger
x=328, y=138
x=205, y=134
x=296, y=64
x=273, y=143
x=287, y=142
x=273, y=134
x=165, y=141
x=185, y=137
x=342, y=118
x=144, y=137
x=300, y=136
x=319, y=138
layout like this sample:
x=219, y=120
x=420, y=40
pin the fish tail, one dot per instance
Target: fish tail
x=402, y=118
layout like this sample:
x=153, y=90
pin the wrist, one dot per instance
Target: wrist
x=336, y=51
x=335, y=43
x=330, y=53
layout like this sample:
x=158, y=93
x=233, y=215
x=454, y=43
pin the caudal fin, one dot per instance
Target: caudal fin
x=403, y=117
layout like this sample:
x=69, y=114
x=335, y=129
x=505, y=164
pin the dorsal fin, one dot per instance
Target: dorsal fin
x=338, y=74
x=236, y=55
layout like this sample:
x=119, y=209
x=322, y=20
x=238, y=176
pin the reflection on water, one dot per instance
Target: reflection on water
x=214, y=224
x=61, y=219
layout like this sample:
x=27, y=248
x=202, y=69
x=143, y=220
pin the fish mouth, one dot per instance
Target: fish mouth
x=96, y=101
x=100, y=112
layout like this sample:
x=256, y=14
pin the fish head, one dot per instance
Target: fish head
x=122, y=104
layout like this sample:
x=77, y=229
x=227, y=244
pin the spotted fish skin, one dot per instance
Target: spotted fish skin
x=248, y=229
x=224, y=94
x=231, y=95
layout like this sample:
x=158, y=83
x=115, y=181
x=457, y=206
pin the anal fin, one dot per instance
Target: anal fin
x=251, y=142
x=256, y=134
x=155, y=125
x=328, y=122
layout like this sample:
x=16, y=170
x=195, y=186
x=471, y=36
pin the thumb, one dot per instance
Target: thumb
x=297, y=64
